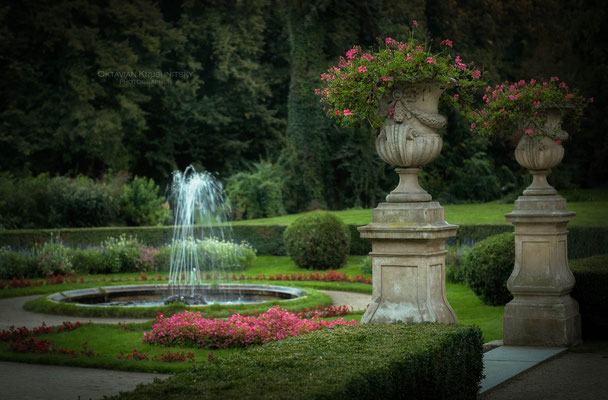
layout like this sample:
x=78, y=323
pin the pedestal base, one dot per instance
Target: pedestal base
x=553, y=322
x=408, y=262
x=542, y=313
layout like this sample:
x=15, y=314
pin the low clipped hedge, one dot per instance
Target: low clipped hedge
x=268, y=239
x=385, y=361
x=591, y=292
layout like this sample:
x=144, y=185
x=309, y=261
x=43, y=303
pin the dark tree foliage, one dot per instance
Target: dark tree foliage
x=243, y=89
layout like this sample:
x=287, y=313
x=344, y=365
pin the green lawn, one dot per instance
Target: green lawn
x=588, y=213
x=109, y=340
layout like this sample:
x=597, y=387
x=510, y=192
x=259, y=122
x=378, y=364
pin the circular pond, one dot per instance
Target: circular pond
x=159, y=295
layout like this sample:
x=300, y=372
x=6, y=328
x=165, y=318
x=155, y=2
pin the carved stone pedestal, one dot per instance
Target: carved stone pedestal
x=542, y=312
x=408, y=256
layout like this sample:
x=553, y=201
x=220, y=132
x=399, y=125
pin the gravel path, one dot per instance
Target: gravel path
x=12, y=313
x=49, y=382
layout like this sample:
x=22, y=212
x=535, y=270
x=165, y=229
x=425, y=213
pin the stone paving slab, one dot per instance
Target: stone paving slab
x=506, y=362
x=569, y=376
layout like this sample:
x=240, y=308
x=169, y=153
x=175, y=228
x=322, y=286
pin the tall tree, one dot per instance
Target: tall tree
x=65, y=109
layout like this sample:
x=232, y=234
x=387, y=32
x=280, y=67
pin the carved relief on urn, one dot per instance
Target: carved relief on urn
x=409, y=138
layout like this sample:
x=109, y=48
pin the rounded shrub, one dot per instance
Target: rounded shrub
x=488, y=265
x=318, y=240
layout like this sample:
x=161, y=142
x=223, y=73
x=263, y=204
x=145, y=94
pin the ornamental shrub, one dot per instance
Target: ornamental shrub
x=88, y=261
x=488, y=265
x=214, y=255
x=83, y=202
x=365, y=265
x=258, y=193
x=142, y=205
x=16, y=265
x=120, y=254
x=317, y=240
x=53, y=258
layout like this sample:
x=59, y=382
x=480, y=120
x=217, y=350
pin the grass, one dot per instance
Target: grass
x=588, y=213
x=107, y=341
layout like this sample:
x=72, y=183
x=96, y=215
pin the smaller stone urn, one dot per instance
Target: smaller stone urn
x=542, y=313
x=409, y=139
x=408, y=232
x=539, y=156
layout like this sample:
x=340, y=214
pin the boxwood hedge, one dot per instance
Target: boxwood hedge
x=268, y=239
x=388, y=361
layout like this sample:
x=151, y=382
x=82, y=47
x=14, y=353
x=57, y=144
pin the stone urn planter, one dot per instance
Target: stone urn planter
x=542, y=311
x=539, y=156
x=409, y=139
x=408, y=232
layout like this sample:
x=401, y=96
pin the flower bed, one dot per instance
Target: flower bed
x=191, y=329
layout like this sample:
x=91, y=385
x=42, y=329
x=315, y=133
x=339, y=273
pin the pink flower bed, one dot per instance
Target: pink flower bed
x=191, y=329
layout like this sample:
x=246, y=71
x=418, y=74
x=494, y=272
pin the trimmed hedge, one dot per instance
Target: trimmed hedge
x=384, y=361
x=268, y=239
x=590, y=291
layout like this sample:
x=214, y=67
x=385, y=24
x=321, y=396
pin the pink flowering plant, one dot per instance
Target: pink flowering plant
x=352, y=90
x=524, y=107
x=191, y=329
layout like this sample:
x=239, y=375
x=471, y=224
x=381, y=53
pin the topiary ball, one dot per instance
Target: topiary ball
x=318, y=240
x=487, y=267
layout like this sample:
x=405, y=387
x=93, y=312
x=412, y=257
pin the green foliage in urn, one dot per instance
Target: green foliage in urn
x=318, y=240
x=353, y=89
x=525, y=106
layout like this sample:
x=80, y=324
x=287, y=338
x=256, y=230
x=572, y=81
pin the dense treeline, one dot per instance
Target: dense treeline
x=228, y=86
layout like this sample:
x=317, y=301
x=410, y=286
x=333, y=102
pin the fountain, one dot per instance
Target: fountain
x=198, y=199
x=201, y=217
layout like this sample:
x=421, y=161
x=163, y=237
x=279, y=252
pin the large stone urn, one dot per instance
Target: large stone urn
x=542, y=311
x=408, y=231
